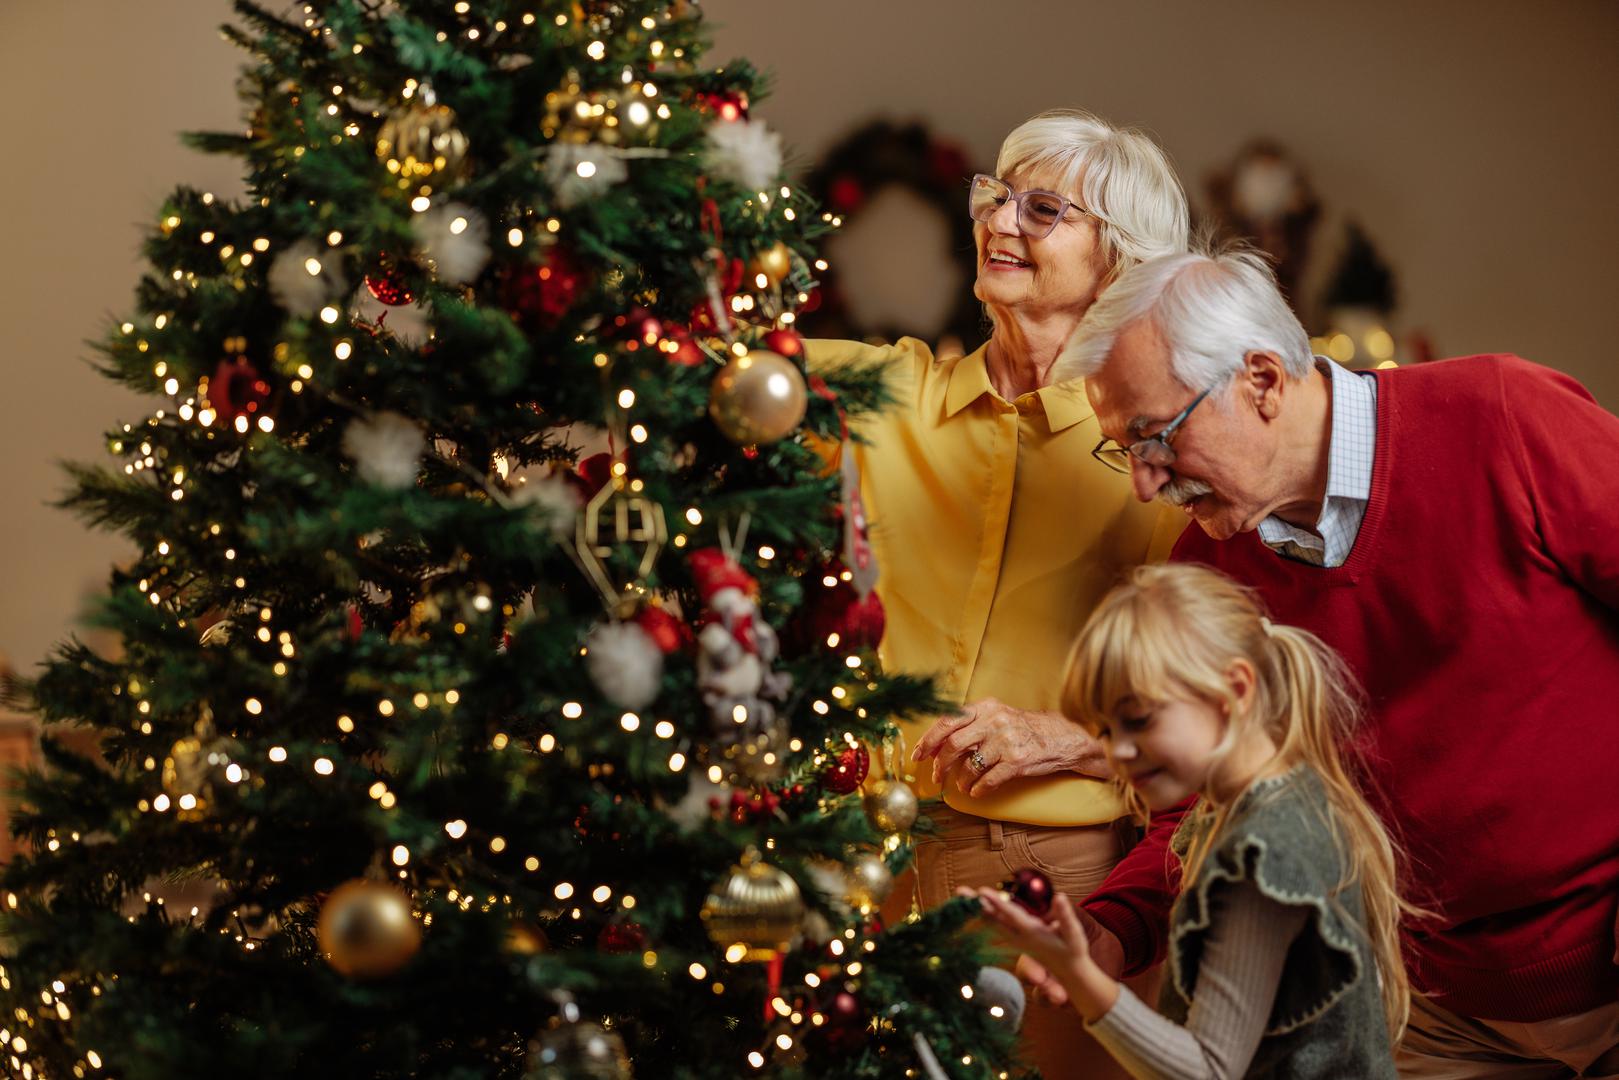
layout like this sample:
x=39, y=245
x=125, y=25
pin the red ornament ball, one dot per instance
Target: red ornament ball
x=846, y=1021
x=686, y=352
x=838, y=609
x=539, y=296
x=785, y=342
x=848, y=770
x=636, y=328
x=237, y=389
x=387, y=284
x=1032, y=890
x=621, y=938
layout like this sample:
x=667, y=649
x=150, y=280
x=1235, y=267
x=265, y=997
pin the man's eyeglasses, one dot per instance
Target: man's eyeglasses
x=1154, y=449
x=1037, y=211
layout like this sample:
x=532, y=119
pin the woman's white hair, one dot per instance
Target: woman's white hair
x=1120, y=175
x=1213, y=308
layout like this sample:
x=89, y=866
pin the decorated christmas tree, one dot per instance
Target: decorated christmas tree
x=439, y=745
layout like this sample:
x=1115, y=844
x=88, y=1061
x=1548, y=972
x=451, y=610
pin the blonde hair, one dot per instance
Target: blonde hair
x=1170, y=633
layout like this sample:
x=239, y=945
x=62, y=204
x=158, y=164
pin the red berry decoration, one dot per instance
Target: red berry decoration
x=785, y=342
x=848, y=770
x=1032, y=890
x=237, y=389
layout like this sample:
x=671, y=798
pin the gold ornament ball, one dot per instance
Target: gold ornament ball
x=757, y=907
x=366, y=929
x=870, y=880
x=774, y=262
x=195, y=771
x=422, y=141
x=757, y=398
x=891, y=806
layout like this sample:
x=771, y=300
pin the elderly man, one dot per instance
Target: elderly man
x=1453, y=531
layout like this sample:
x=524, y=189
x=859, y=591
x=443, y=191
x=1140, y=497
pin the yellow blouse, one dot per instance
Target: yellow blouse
x=996, y=532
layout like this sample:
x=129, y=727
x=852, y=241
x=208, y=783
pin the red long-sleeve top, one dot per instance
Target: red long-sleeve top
x=1480, y=609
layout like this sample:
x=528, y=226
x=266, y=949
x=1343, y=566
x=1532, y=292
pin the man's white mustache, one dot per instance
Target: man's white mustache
x=1181, y=492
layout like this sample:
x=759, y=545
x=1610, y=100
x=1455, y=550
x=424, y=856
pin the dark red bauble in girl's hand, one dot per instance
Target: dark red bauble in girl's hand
x=1032, y=890
x=847, y=771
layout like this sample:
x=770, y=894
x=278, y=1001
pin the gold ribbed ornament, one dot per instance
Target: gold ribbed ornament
x=421, y=144
x=755, y=906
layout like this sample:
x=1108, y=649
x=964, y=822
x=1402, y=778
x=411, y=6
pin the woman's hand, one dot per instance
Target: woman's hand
x=1057, y=960
x=1010, y=743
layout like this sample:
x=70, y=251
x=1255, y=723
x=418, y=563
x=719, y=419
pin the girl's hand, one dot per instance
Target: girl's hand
x=1058, y=949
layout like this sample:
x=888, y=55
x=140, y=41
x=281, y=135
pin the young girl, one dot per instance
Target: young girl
x=1284, y=956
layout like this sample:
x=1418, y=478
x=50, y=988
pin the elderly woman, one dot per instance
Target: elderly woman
x=996, y=531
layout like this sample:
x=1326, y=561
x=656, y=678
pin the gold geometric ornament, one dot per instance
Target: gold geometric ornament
x=619, y=516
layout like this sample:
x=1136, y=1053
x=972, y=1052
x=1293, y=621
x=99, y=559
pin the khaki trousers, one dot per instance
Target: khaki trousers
x=1440, y=1045
x=973, y=851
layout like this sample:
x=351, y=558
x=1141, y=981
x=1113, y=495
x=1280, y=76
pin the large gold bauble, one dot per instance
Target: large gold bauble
x=870, y=880
x=757, y=907
x=774, y=262
x=575, y=1049
x=891, y=806
x=421, y=143
x=366, y=929
x=757, y=398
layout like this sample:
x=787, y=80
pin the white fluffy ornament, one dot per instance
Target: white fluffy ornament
x=555, y=503
x=581, y=171
x=745, y=152
x=695, y=810
x=410, y=324
x=386, y=449
x=996, y=988
x=625, y=664
x=454, y=241
x=304, y=277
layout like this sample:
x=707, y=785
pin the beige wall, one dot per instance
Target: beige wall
x=1478, y=142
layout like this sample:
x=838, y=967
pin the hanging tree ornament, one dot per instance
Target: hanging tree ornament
x=736, y=654
x=1032, y=889
x=197, y=769
x=891, y=805
x=572, y=1048
x=366, y=929
x=754, y=912
x=870, y=881
x=237, y=393
x=620, y=517
x=421, y=144
x=847, y=771
x=387, y=283
x=757, y=398
x=774, y=263
x=539, y=296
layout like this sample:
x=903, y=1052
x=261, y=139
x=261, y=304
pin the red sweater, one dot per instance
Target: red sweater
x=1480, y=609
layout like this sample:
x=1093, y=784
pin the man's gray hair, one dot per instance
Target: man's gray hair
x=1120, y=175
x=1213, y=308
